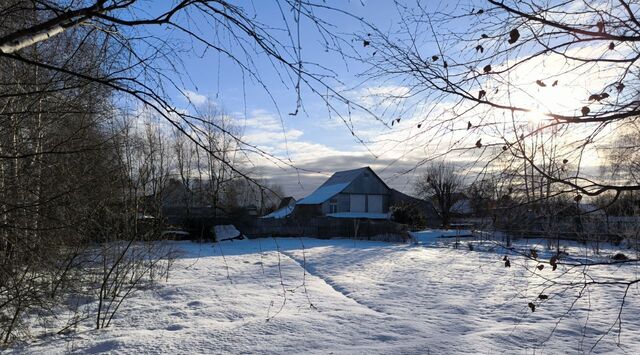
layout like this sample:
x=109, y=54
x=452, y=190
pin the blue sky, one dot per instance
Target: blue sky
x=318, y=142
x=313, y=140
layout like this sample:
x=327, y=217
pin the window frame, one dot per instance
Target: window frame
x=333, y=205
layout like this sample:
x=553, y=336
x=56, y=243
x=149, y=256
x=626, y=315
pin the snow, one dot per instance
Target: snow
x=360, y=215
x=225, y=232
x=303, y=295
x=281, y=213
x=323, y=193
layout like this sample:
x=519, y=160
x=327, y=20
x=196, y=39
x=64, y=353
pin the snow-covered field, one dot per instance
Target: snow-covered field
x=343, y=296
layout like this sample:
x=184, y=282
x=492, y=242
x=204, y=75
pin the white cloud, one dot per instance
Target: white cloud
x=426, y=131
x=195, y=98
x=270, y=138
x=269, y=132
x=262, y=121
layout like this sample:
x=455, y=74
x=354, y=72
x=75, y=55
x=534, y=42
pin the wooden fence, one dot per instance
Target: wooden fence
x=327, y=227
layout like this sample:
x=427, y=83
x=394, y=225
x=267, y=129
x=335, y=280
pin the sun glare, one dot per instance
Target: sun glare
x=535, y=117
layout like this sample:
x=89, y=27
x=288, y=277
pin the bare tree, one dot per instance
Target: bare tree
x=75, y=167
x=623, y=155
x=185, y=157
x=441, y=183
x=55, y=171
x=69, y=176
x=221, y=136
x=501, y=73
x=139, y=73
x=528, y=91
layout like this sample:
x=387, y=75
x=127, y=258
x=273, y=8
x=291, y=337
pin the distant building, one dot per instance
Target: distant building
x=354, y=194
x=287, y=201
x=353, y=203
x=357, y=193
x=286, y=206
x=420, y=210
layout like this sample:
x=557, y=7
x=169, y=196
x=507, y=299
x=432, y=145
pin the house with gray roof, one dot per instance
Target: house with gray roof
x=357, y=193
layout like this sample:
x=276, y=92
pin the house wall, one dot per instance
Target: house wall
x=308, y=211
x=375, y=203
x=325, y=206
x=366, y=184
x=344, y=203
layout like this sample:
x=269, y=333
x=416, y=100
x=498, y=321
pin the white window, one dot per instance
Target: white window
x=375, y=203
x=358, y=203
x=333, y=205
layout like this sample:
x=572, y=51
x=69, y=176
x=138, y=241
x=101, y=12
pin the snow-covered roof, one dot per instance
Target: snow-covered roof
x=281, y=213
x=360, y=215
x=287, y=201
x=323, y=193
x=225, y=232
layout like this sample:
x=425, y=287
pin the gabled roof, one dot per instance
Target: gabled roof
x=323, y=193
x=280, y=213
x=340, y=177
x=287, y=201
x=336, y=184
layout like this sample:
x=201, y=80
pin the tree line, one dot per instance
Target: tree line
x=84, y=162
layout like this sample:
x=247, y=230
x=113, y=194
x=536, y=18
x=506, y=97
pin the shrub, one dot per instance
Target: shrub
x=620, y=257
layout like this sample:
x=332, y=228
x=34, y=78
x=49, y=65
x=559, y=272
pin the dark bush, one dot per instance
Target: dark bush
x=409, y=215
x=620, y=257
